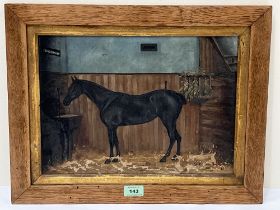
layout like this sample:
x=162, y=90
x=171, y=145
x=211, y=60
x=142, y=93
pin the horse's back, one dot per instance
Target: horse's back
x=167, y=102
x=137, y=109
x=129, y=110
x=168, y=96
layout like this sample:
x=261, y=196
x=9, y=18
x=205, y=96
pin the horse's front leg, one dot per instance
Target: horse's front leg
x=111, y=143
x=116, y=144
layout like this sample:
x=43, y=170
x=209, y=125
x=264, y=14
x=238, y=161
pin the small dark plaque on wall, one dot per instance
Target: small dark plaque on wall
x=149, y=47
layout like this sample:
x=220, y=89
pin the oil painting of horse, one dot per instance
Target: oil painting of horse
x=120, y=109
x=137, y=106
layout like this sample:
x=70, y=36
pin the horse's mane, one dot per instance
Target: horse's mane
x=94, y=84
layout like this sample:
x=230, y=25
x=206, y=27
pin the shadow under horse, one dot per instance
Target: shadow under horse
x=121, y=109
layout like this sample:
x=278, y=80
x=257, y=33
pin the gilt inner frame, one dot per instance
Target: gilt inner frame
x=241, y=101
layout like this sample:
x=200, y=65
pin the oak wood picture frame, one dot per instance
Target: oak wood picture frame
x=251, y=23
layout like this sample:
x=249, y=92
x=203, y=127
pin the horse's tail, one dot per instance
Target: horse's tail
x=182, y=98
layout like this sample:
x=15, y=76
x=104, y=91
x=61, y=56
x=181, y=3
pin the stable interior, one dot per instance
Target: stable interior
x=74, y=140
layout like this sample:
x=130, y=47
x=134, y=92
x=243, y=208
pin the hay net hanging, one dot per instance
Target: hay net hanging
x=196, y=87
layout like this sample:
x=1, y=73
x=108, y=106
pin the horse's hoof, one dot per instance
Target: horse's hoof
x=174, y=158
x=163, y=159
x=107, y=161
x=115, y=160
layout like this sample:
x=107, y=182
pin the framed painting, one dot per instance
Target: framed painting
x=137, y=104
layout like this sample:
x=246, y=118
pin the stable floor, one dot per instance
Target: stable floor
x=88, y=162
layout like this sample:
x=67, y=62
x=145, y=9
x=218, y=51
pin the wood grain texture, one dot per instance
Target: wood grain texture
x=66, y=30
x=152, y=194
x=137, y=138
x=241, y=103
x=18, y=103
x=257, y=102
x=138, y=15
x=34, y=102
x=18, y=16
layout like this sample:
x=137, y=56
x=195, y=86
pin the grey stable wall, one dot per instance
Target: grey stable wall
x=119, y=54
x=124, y=55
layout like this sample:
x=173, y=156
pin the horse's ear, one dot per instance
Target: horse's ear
x=74, y=78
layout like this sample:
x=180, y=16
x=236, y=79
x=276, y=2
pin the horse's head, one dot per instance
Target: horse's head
x=74, y=91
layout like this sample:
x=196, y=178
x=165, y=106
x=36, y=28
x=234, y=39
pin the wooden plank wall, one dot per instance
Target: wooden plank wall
x=217, y=116
x=152, y=136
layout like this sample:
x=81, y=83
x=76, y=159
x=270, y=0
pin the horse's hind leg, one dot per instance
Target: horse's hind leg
x=171, y=129
x=178, y=139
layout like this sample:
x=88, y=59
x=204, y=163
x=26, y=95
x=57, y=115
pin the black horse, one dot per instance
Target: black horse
x=121, y=109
